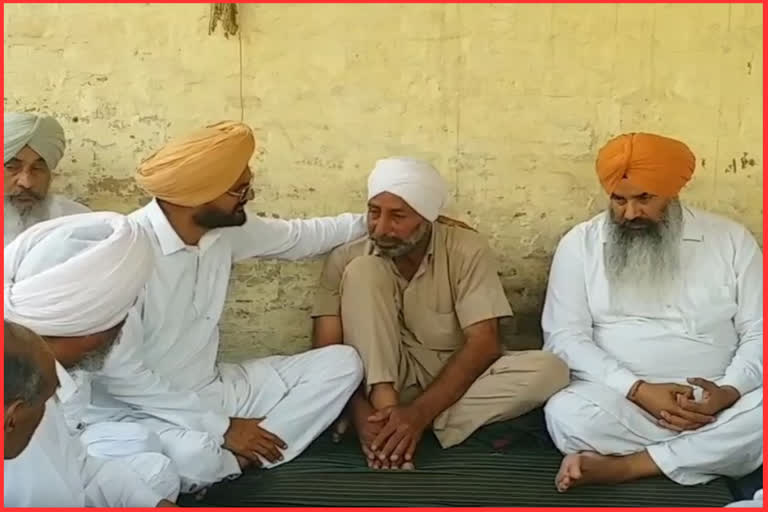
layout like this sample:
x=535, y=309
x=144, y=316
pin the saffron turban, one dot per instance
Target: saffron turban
x=198, y=168
x=658, y=165
x=415, y=181
x=43, y=134
x=76, y=275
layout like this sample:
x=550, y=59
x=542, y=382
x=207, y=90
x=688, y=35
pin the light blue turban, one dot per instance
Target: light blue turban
x=43, y=134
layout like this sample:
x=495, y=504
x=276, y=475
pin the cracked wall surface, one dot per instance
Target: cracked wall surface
x=511, y=102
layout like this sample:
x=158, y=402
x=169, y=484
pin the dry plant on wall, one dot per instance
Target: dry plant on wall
x=227, y=14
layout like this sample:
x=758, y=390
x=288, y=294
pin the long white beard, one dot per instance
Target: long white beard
x=26, y=217
x=643, y=265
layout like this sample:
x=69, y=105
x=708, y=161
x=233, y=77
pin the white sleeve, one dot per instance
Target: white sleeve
x=126, y=377
x=110, y=483
x=293, y=239
x=567, y=320
x=745, y=372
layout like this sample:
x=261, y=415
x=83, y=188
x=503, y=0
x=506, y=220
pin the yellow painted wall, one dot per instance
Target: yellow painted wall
x=511, y=103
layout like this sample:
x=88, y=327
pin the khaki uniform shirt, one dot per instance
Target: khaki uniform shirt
x=456, y=285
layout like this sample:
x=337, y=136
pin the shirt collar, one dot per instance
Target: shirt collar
x=692, y=228
x=169, y=240
x=67, y=384
x=693, y=231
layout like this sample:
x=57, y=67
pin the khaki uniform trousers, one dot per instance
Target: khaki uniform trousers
x=372, y=323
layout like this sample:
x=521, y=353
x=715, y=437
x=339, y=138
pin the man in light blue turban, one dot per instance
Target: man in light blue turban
x=32, y=148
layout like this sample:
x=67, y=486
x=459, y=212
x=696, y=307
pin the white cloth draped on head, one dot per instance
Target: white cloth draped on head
x=76, y=275
x=43, y=134
x=415, y=181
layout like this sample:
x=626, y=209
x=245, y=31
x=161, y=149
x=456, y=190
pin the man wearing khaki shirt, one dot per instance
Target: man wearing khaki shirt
x=420, y=299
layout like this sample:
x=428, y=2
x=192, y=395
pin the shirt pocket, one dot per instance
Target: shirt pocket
x=437, y=331
x=706, y=308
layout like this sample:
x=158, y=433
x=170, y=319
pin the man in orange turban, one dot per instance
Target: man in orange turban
x=196, y=169
x=658, y=310
x=259, y=412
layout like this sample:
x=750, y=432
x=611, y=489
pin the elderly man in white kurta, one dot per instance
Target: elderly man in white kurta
x=261, y=412
x=658, y=310
x=73, y=280
x=32, y=148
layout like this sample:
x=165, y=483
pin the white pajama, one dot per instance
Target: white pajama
x=129, y=443
x=54, y=470
x=592, y=417
x=299, y=397
x=710, y=327
x=755, y=502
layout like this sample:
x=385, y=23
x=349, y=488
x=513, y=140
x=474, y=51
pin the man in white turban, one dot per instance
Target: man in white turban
x=421, y=301
x=73, y=281
x=32, y=148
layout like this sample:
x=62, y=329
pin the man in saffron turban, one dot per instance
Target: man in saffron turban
x=657, y=308
x=259, y=412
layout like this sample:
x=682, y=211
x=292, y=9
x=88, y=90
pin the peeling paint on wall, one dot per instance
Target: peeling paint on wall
x=511, y=102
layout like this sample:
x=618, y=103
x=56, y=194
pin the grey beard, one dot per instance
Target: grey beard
x=28, y=215
x=95, y=359
x=403, y=247
x=643, y=264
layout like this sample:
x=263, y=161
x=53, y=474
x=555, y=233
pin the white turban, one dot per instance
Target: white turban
x=415, y=181
x=76, y=275
x=43, y=134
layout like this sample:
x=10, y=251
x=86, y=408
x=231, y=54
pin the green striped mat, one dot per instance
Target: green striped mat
x=510, y=464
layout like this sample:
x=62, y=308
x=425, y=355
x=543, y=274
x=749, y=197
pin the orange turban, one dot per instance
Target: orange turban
x=198, y=168
x=655, y=164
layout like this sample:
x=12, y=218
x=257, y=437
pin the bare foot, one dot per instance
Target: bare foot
x=569, y=472
x=592, y=468
x=341, y=427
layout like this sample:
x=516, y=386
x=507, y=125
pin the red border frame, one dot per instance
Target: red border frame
x=470, y=2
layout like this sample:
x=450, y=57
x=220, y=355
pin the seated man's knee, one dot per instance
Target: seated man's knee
x=551, y=375
x=120, y=439
x=192, y=449
x=564, y=414
x=344, y=360
x=555, y=372
x=367, y=270
x=159, y=472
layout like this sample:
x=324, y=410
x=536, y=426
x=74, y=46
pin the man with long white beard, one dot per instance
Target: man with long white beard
x=658, y=310
x=73, y=281
x=32, y=148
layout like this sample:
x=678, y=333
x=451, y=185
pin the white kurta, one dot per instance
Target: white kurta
x=135, y=445
x=712, y=329
x=54, y=471
x=300, y=395
x=52, y=207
